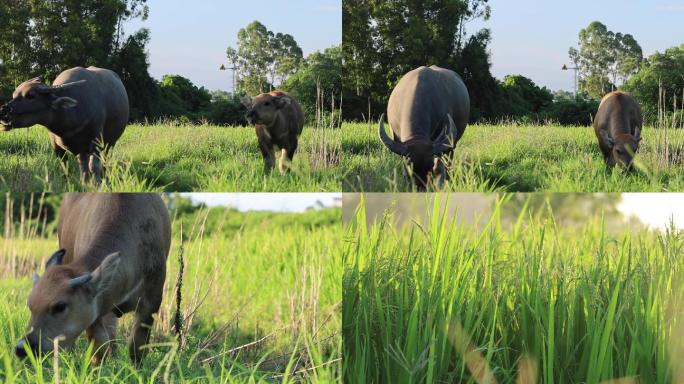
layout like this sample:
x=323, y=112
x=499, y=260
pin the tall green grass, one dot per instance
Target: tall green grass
x=517, y=158
x=175, y=158
x=527, y=302
x=261, y=302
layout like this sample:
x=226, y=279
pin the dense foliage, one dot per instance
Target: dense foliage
x=605, y=59
x=384, y=40
x=659, y=84
x=43, y=38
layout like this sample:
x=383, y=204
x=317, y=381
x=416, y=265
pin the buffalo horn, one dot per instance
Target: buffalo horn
x=392, y=144
x=61, y=87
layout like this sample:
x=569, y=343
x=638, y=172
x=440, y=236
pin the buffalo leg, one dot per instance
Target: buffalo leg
x=95, y=164
x=95, y=167
x=83, y=159
x=102, y=334
x=440, y=172
x=59, y=152
x=140, y=336
x=266, y=147
x=286, y=156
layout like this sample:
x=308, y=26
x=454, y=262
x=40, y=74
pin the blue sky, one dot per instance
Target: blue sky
x=190, y=37
x=532, y=37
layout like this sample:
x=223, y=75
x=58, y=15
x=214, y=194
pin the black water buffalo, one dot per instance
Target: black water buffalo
x=279, y=121
x=617, y=125
x=85, y=110
x=428, y=111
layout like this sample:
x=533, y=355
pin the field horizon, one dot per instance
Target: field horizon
x=252, y=310
x=520, y=158
x=172, y=157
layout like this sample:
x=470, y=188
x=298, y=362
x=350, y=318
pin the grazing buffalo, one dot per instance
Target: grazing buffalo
x=618, y=127
x=279, y=120
x=112, y=261
x=428, y=111
x=85, y=110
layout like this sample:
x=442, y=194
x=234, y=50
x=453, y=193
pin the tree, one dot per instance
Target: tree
x=661, y=77
x=321, y=72
x=382, y=40
x=605, y=59
x=523, y=97
x=287, y=57
x=130, y=62
x=262, y=58
x=473, y=64
x=15, y=48
x=180, y=97
x=45, y=37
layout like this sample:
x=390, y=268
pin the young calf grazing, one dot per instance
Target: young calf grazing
x=617, y=125
x=279, y=120
x=112, y=261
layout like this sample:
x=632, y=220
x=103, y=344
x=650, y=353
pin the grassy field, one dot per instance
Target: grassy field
x=527, y=302
x=521, y=159
x=167, y=157
x=261, y=303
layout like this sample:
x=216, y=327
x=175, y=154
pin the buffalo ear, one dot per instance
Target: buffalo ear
x=105, y=274
x=605, y=136
x=246, y=101
x=64, y=103
x=281, y=102
x=56, y=258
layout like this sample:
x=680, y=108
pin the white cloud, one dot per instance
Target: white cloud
x=654, y=209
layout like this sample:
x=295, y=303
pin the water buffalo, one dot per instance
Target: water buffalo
x=279, y=120
x=428, y=111
x=85, y=109
x=112, y=261
x=617, y=125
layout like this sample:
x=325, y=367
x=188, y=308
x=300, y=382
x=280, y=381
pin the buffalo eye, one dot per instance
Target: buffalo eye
x=267, y=103
x=58, y=307
x=30, y=96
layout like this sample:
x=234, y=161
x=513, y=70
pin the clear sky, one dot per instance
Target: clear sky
x=654, y=209
x=532, y=37
x=190, y=38
x=283, y=202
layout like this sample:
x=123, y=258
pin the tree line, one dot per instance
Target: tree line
x=45, y=37
x=609, y=61
x=382, y=40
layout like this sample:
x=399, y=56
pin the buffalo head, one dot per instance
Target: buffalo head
x=263, y=109
x=35, y=103
x=421, y=153
x=64, y=303
x=623, y=148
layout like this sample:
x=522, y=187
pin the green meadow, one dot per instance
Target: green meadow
x=260, y=303
x=511, y=299
x=520, y=158
x=175, y=158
